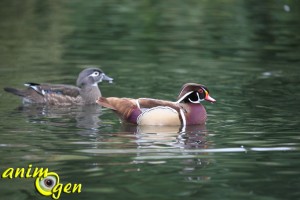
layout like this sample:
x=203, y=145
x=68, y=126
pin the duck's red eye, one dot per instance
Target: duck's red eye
x=200, y=91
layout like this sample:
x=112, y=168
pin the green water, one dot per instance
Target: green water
x=245, y=52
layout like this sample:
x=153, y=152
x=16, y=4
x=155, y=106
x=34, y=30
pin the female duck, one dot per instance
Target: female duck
x=86, y=92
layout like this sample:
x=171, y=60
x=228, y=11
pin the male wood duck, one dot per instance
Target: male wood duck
x=86, y=92
x=187, y=110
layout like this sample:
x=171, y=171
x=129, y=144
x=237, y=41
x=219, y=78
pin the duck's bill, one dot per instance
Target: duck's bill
x=210, y=99
x=106, y=78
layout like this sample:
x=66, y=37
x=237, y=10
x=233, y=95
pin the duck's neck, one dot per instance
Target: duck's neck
x=90, y=94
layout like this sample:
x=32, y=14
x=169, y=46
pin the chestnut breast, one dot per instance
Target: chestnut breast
x=194, y=113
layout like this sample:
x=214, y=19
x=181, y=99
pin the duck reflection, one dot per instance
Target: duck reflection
x=84, y=118
x=176, y=136
x=159, y=145
x=88, y=117
x=151, y=145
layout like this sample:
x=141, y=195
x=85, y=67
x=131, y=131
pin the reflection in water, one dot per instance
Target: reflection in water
x=165, y=139
x=149, y=144
x=174, y=136
x=85, y=118
x=191, y=166
x=247, y=51
x=88, y=117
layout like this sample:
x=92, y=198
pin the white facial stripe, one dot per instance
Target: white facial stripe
x=197, y=101
x=182, y=90
x=181, y=99
x=193, y=101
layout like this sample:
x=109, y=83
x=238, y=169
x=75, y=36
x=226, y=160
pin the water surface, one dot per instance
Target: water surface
x=245, y=52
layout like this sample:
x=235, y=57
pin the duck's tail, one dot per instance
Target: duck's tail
x=14, y=91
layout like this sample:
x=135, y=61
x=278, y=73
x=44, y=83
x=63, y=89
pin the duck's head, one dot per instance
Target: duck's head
x=194, y=93
x=91, y=77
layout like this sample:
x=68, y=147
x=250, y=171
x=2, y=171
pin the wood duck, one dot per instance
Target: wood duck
x=86, y=92
x=187, y=110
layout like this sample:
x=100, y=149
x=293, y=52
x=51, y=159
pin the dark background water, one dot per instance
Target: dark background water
x=245, y=52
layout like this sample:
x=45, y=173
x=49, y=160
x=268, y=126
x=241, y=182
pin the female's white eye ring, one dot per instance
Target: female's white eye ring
x=95, y=74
